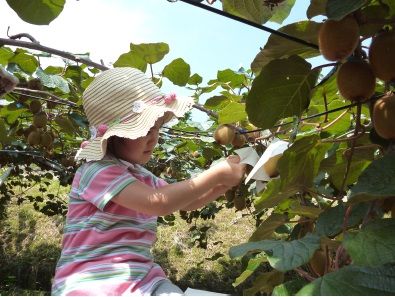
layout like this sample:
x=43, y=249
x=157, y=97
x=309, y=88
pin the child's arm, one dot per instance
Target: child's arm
x=207, y=197
x=200, y=190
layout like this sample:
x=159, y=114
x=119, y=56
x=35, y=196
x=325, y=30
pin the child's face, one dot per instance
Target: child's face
x=138, y=150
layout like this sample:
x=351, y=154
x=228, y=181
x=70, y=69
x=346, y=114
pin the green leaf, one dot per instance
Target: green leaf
x=37, y=12
x=228, y=76
x=151, y=52
x=216, y=102
x=278, y=47
x=338, y=9
x=355, y=281
x=304, y=156
x=5, y=54
x=316, y=7
x=266, y=229
x=330, y=222
x=273, y=195
x=53, y=81
x=253, y=264
x=252, y=10
x=282, y=255
x=131, y=59
x=178, y=72
x=373, y=245
x=195, y=79
x=281, y=11
x=377, y=181
x=289, y=288
x=281, y=90
x=265, y=283
x=336, y=165
x=26, y=62
x=233, y=112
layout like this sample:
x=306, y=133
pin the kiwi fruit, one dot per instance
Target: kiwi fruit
x=40, y=120
x=355, y=80
x=270, y=167
x=33, y=138
x=224, y=134
x=318, y=262
x=230, y=195
x=35, y=106
x=239, y=202
x=35, y=84
x=337, y=40
x=239, y=140
x=381, y=55
x=46, y=139
x=383, y=116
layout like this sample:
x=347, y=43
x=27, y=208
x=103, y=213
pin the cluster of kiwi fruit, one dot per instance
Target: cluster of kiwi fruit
x=227, y=135
x=36, y=134
x=356, y=78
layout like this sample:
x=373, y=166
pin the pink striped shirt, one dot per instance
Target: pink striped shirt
x=106, y=247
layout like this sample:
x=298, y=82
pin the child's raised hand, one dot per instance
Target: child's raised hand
x=230, y=171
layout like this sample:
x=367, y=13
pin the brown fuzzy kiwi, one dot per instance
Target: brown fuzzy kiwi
x=230, y=195
x=239, y=140
x=355, y=80
x=35, y=84
x=381, y=55
x=46, y=139
x=224, y=134
x=35, y=106
x=40, y=120
x=239, y=202
x=383, y=116
x=33, y=138
x=337, y=40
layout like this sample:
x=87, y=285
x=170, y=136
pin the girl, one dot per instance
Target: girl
x=114, y=201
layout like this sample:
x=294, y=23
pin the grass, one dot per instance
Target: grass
x=30, y=246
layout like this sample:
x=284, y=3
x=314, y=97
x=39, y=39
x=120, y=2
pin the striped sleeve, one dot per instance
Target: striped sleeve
x=101, y=181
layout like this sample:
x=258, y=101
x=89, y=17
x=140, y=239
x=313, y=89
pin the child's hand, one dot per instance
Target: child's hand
x=229, y=172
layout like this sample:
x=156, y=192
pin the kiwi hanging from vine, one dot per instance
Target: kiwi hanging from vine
x=337, y=40
x=355, y=80
x=383, y=116
x=382, y=55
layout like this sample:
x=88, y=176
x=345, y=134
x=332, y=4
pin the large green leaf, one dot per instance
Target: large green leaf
x=377, y=181
x=5, y=54
x=26, y=61
x=265, y=283
x=316, y=7
x=282, y=255
x=355, y=281
x=330, y=222
x=231, y=77
x=178, y=72
x=232, y=113
x=281, y=90
x=373, y=245
x=253, y=264
x=151, y=52
x=37, y=12
x=278, y=47
x=252, y=10
x=289, y=288
x=281, y=11
x=273, y=195
x=53, y=81
x=300, y=163
x=266, y=228
x=336, y=165
x=131, y=59
x=338, y=9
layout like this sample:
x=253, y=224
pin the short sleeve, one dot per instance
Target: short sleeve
x=102, y=180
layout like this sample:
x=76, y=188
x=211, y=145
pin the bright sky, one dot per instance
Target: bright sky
x=206, y=41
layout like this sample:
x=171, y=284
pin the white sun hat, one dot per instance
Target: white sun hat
x=124, y=102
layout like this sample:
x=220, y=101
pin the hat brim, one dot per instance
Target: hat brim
x=135, y=127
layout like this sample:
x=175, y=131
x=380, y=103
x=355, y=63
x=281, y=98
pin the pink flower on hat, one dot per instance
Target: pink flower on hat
x=101, y=129
x=169, y=98
x=84, y=143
